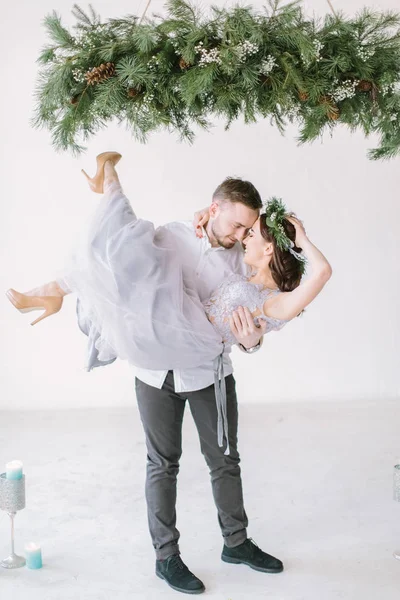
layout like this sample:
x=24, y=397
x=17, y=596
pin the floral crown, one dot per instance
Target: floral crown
x=275, y=213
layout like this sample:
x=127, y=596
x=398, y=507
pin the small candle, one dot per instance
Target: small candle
x=33, y=555
x=14, y=470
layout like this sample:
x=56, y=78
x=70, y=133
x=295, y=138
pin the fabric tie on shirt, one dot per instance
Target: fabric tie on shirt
x=87, y=327
x=220, y=398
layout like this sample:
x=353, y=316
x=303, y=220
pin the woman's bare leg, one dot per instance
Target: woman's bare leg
x=52, y=288
x=110, y=175
x=59, y=287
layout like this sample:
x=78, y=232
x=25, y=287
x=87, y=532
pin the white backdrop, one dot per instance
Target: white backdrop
x=345, y=345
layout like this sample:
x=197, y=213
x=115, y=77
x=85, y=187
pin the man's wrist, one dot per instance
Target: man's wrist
x=253, y=348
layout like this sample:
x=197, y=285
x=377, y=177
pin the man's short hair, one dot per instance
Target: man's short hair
x=237, y=190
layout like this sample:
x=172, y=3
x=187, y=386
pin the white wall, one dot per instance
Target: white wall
x=346, y=344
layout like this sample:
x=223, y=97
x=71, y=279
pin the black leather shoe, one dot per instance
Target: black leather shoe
x=250, y=554
x=178, y=576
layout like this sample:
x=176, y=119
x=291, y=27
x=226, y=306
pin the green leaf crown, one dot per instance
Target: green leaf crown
x=275, y=213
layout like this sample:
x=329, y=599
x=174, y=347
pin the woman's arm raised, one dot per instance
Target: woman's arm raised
x=287, y=305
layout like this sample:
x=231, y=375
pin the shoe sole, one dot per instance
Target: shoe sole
x=236, y=561
x=180, y=589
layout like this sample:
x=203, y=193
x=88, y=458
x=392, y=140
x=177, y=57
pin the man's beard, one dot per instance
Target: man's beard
x=223, y=241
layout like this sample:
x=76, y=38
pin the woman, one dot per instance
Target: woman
x=132, y=310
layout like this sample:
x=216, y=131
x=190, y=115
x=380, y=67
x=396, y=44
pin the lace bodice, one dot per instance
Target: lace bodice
x=236, y=291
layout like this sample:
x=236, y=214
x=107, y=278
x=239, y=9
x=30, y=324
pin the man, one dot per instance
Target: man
x=161, y=396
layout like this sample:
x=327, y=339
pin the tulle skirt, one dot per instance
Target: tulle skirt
x=132, y=301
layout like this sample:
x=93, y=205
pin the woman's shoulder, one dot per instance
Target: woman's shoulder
x=269, y=298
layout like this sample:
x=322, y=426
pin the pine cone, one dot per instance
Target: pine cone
x=132, y=92
x=183, y=64
x=333, y=110
x=324, y=100
x=303, y=96
x=101, y=73
x=364, y=86
x=333, y=115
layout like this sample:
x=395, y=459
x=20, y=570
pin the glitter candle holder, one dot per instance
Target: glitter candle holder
x=12, y=499
x=396, y=495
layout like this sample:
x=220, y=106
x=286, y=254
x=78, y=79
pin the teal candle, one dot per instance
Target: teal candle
x=33, y=555
x=14, y=470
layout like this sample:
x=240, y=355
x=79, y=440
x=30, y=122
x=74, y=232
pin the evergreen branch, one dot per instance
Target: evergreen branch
x=94, y=16
x=183, y=11
x=375, y=22
x=145, y=38
x=124, y=25
x=83, y=17
x=46, y=55
x=173, y=73
x=58, y=33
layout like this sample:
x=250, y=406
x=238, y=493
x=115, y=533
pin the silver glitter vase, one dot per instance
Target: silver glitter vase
x=396, y=496
x=12, y=499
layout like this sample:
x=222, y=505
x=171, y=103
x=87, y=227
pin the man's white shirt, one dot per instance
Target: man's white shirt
x=204, y=268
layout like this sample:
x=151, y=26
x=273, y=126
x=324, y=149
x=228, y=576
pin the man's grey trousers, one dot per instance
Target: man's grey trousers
x=161, y=412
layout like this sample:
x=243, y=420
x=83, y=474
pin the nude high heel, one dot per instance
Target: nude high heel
x=96, y=183
x=50, y=304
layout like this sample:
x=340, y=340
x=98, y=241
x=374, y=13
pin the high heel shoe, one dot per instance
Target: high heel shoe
x=50, y=304
x=96, y=183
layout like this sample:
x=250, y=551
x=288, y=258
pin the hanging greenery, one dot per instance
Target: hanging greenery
x=182, y=69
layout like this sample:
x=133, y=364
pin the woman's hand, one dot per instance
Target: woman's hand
x=201, y=218
x=299, y=227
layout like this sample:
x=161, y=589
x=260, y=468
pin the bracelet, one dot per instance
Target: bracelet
x=253, y=348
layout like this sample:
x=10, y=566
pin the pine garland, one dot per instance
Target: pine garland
x=182, y=69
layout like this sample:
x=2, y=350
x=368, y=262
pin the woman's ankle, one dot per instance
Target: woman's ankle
x=52, y=288
x=110, y=174
x=61, y=288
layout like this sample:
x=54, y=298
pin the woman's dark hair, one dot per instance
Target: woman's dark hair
x=285, y=268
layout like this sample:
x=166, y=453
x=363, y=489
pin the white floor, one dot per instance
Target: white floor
x=318, y=493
